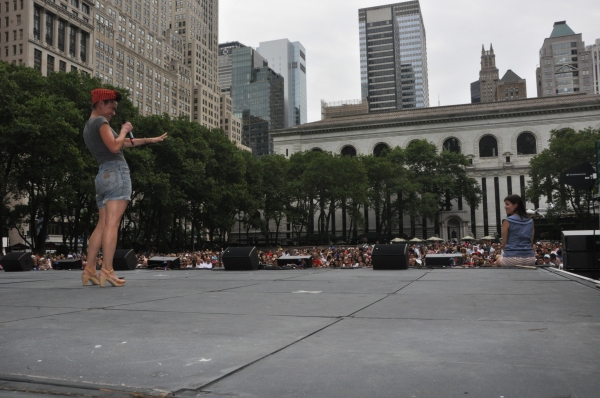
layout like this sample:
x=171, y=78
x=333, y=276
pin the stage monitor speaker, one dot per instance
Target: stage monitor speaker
x=17, y=262
x=443, y=260
x=69, y=263
x=240, y=259
x=390, y=256
x=580, y=241
x=164, y=262
x=124, y=260
x=579, y=260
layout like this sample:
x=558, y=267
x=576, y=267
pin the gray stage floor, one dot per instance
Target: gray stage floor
x=301, y=333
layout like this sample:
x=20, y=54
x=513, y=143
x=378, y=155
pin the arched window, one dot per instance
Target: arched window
x=488, y=147
x=526, y=144
x=413, y=142
x=452, y=145
x=317, y=149
x=349, y=150
x=379, y=148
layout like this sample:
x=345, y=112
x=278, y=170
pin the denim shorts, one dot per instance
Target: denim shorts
x=113, y=182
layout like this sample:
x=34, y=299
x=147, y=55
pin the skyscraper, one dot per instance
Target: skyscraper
x=488, y=75
x=564, y=63
x=257, y=92
x=489, y=88
x=511, y=87
x=289, y=60
x=163, y=52
x=225, y=54
x=393, y=57
x=594, y=77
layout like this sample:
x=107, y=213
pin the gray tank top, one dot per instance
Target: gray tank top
x=93, y=141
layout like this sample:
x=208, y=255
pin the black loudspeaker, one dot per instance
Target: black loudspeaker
x=164, y=262
x=443, y=260
x=390, y=256
x=69, y=263
x=124, y=260
x=17, y=262
x=240, y=259
x=579, y=260
x=580, y=241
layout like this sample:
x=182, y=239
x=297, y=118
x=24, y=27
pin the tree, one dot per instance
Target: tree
x=567, y=148
x=274, y=191
x=9, y=144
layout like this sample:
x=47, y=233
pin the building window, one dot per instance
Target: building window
x=83, y=47
x=348, y=150
x=49, y=64
x=526, y=144
x=36, y=23
x=452, y=145
x=379, y=148
x=49, y=28
x=62, y=66
x=488, y=147
x=37, y=60
x=72, y=41
x=61, y=34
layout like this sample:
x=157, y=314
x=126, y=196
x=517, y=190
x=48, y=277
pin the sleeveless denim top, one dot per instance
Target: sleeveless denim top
x=520, y=233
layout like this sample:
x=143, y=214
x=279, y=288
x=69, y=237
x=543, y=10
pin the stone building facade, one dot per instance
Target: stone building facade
x=511, y=87
x=499, y=138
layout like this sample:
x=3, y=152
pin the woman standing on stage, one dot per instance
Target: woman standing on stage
x=517, y=235
x=113, y=183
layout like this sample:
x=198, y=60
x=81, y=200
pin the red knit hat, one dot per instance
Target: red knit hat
x=102, y=94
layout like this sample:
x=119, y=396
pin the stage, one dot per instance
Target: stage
x=301, y=333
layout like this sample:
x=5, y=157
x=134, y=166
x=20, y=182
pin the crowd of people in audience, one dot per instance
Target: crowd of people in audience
x=468, y=255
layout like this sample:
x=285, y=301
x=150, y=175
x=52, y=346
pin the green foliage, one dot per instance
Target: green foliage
x=567, y=148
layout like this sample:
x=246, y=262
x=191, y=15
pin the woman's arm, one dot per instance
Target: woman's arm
x=113, y=144
x=505, y=227
x=144, y=141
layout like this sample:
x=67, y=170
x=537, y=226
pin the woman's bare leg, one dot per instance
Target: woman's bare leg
x=96, y=241
x=114, y=211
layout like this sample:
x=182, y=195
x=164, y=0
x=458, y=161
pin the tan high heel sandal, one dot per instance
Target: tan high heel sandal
x=88, y=276
x=111, y=278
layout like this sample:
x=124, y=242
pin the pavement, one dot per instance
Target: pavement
x=301, y=333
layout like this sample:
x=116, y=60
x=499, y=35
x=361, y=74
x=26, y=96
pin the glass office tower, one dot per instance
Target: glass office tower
x=289, y=60
x=225, y=51
x=257, y=92
x=393, y=57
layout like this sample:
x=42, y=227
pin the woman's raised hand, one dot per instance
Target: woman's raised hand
x=161, y=138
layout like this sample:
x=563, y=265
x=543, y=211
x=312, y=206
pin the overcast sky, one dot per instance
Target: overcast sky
x=455, y=31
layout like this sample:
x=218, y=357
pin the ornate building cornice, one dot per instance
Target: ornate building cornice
x=449, y=114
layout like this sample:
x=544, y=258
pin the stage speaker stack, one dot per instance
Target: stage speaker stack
x=240, y=259
x=390, y=257
x=124, y=260
x=578, y=250
x=443, y=260
x=164, y=262
x=17, y=262
x=67, y=264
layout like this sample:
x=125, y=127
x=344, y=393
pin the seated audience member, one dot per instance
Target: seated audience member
x=556, y=261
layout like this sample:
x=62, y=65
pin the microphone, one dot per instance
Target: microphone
x=130, y=135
